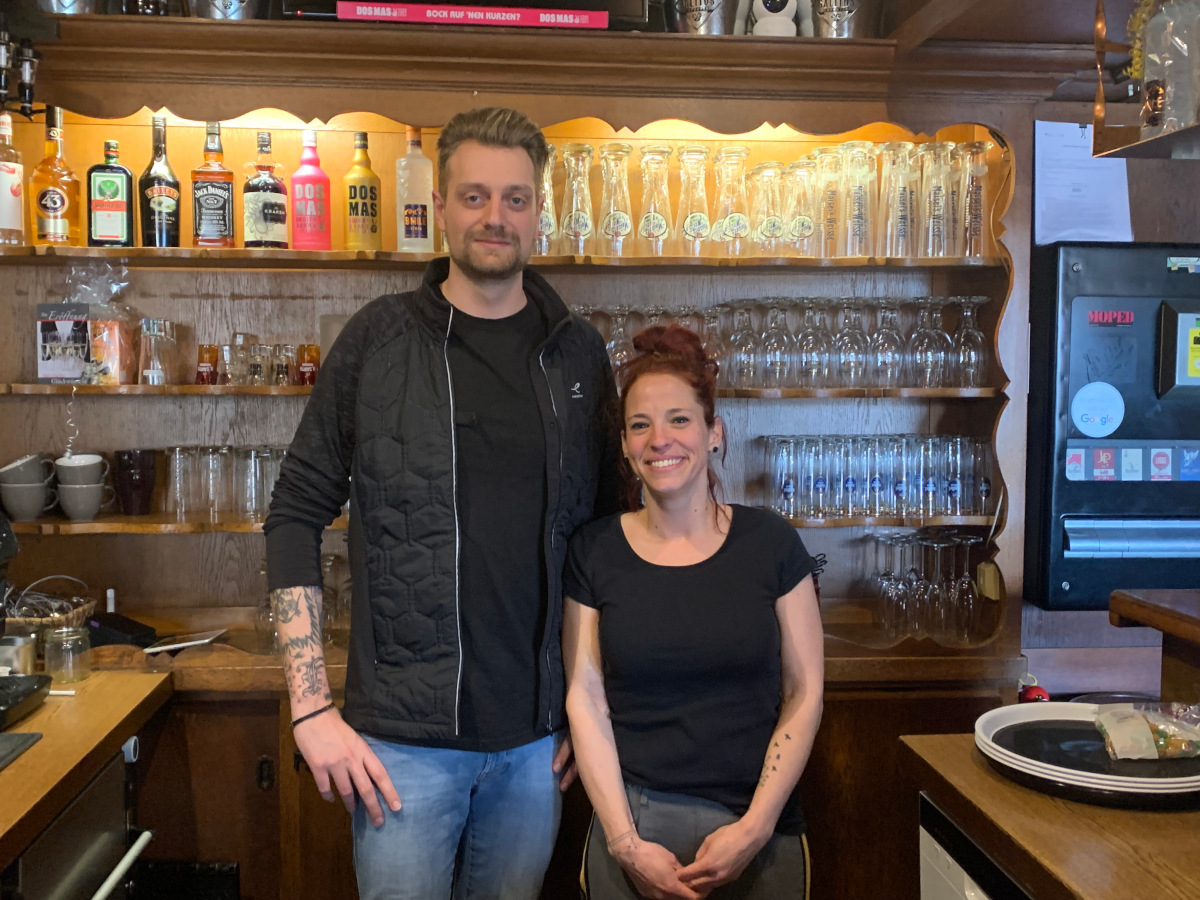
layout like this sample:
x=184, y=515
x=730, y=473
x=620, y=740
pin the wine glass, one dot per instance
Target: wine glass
x=970, y=356
x=926, y=353
x=620, y=343
x=964, y=597
x=776, y=350
x=714, y=345
x=814, y=346
x=851, y=346
x=743, y=351
x=885, y=350
x=938, y=610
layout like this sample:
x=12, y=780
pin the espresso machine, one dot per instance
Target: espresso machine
x=1113, y=480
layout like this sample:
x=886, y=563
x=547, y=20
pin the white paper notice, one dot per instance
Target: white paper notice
x=1076, y=197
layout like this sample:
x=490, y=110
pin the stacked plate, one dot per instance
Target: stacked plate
x=1057, y=749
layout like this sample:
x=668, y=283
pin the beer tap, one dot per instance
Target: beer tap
x=19, y=58
x=7, y=53
x=27, y=62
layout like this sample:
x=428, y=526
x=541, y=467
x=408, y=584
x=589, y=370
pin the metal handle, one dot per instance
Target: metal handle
x=127, y=860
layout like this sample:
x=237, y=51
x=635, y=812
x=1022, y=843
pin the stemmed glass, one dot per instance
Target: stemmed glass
x=776, y=350
x=970, y=357
x=743, y=351
x=714, y=346
x=926, y=350
x=620, y=343
x=964, y=597
x=938, y=610
x=813, y=346
x=885, y=351
x=687, y=317
x=851, y=346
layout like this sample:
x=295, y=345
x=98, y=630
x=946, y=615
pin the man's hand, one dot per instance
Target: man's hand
x=564, y=764
x=723, y=857
x=341, y=760
x=654, y=871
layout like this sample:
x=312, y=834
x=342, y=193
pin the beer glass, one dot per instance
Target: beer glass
x=694, y=225
x=937, y=181
x=575, y=223
x=654, y=226
x=850, y=347
x=766, y=208
x=814, y=477
x=615, y=214
x=547, y=219
x=976, y=216
x=829, y=202
x=181, y=494
x=731, y=224
x=799, y=207
x=958, y=476
x=858, y=166
x=899, y=181
x=775, y=366
x=781, y=475
x=877, y=476
x=970, y=355
x=901, y=453
x=925, y=478
x=984, y=471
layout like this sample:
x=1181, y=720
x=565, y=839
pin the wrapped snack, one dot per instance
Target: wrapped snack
x=1150, y=730
x=89, y=338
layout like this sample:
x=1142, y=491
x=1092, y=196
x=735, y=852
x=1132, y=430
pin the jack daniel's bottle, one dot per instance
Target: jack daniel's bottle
x=264, y=201
x=158, y=192
x=212, y=195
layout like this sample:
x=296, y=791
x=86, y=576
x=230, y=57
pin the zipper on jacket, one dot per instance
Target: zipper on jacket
x=457, y=536
x=554, y=409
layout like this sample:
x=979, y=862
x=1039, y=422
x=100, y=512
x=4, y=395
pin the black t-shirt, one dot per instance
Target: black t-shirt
x=691, y=655
x=501, y=451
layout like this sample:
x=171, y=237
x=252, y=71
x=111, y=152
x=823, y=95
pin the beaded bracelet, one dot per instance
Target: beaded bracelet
x=314, y=713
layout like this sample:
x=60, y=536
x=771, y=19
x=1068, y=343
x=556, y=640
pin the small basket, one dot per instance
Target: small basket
x=78, y=616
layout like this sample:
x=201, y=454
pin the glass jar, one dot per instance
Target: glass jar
x=731, y=225
x=615, y=215
x=68, y=654
x=694, y=224
x=654, y=226
x=575, y=223
x=547, y=219
x=156, y=356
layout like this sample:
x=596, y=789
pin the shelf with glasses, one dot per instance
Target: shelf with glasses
x=156, y=523
x=798, y=393
x=892, y=521
x=183, y=257
x=194, y=390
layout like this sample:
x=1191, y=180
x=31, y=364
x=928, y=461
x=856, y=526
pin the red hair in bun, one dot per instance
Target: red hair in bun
x=670, y=350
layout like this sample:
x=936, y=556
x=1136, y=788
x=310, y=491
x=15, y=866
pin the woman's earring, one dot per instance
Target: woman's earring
x=715, y=449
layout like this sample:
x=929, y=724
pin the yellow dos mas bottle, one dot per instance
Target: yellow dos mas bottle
x=360, y=194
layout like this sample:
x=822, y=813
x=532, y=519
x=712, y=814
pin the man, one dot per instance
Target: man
x=465, y=420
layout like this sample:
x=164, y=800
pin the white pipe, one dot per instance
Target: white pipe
x=123, y=866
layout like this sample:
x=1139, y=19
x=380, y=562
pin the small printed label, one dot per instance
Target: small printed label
x=617, y=224
x=52, y=214
x=1074, y=464
x=789, y=489
x=929, y=486
x=900, y=488
x=265, y=218
x=546, y=224
x=800, y=227
x=108, y=207
x=163, y=198
x=1193, y=366
x=362, y=210
x=416, y=221
x=696, y=226
x=212, y=209
x=985, y=488
x=1104, y=462
x=12, y=179
x=1189, y=464
x=577, y=224
x=954, y=487
x=820, y=486
x=653, y=226
x=771, y=228
x=876, y=485
x=736, y=225
x=1160, y=463
x=717, y=231
x=1131, y=463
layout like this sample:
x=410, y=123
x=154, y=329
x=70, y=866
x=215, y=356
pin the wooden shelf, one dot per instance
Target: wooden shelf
x=849, y=393
x=892, y=521
x=155, y=523
x=240, y=258
x=193, y=390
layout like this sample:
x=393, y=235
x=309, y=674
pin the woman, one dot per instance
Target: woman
x=694, y=658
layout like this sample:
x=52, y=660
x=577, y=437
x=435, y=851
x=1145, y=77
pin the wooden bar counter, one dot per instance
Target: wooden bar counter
x=1056, y=849
x=1177, y=615
x=79, y=735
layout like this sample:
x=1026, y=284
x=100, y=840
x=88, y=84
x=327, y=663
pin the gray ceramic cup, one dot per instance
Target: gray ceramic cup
x=31, y=469
x=81, y=502
x=81, y=468
x=25, y=502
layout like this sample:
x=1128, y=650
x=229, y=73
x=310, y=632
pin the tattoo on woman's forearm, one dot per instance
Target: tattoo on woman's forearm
x=287, y=603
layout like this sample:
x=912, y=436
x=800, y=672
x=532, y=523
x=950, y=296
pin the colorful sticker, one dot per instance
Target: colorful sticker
x=1104, y=464
x=1097, y=409
x=1189, y=464
x=1074, y=464
x=1131, y=463
x=1160, y=464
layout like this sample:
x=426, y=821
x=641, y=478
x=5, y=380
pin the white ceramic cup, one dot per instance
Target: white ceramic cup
x=81, y=468
x=81, y=502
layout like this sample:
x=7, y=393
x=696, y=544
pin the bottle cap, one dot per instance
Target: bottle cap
x=160, y=121
x=110, y=148
x=412, y=135
x=212, y=127
x=264, y=141
x=309, y=138
x=360, y=140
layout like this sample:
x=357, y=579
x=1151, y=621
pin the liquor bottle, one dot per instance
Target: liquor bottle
x=360, y=192
x=310, y=200
x=12, y=186
x=414, y=197
x=158, y=189
x=212, y=195
x=54, y=189
x=110, y=201
x=264, y=201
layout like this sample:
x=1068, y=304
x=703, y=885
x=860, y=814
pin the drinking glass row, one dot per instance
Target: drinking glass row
x=858, y=199
x=221, y=482
x=773, y=354
x=925, y=587
x=890, y=475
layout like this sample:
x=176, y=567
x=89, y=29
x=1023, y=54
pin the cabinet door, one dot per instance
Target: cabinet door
x=207, y=786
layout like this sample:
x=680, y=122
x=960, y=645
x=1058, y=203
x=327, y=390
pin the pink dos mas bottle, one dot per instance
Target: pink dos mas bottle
x=310, y=200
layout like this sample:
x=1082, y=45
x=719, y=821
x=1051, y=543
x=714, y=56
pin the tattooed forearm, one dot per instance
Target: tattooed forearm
x=287, y=602
x=311, y=678
x=298, y=624
x=769, y=765
x=300, y=642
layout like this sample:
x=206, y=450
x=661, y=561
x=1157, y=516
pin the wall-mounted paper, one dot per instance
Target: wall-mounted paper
x=1076, y=197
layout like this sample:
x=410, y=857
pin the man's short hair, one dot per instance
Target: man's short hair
x=492, y=126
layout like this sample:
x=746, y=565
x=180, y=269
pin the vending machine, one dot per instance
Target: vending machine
x=1113, y=480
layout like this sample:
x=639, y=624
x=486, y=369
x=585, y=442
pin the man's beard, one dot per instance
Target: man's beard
x=495, y=269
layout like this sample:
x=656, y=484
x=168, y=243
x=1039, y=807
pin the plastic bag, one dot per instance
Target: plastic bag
x=1150, y=730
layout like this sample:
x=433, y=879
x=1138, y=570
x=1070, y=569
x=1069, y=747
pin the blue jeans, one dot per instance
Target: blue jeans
x=472, y=826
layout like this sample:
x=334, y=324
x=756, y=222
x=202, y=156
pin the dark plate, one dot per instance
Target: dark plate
x=1097, y=796
x=1079, y=746
x=20, y=695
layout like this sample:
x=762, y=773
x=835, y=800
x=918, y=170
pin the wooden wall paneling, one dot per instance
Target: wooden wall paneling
x=197, y=788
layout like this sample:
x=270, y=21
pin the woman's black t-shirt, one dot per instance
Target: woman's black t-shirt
x=691, y=654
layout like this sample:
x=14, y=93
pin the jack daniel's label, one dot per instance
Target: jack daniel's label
x=212, y=209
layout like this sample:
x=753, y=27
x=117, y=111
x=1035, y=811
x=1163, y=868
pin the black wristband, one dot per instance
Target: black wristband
x=313, y=714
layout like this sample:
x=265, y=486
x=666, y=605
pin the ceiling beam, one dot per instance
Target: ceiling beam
x=926, y=22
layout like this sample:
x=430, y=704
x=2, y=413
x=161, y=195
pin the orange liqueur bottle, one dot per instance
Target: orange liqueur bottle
x=212, y=195
x=54, y=191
